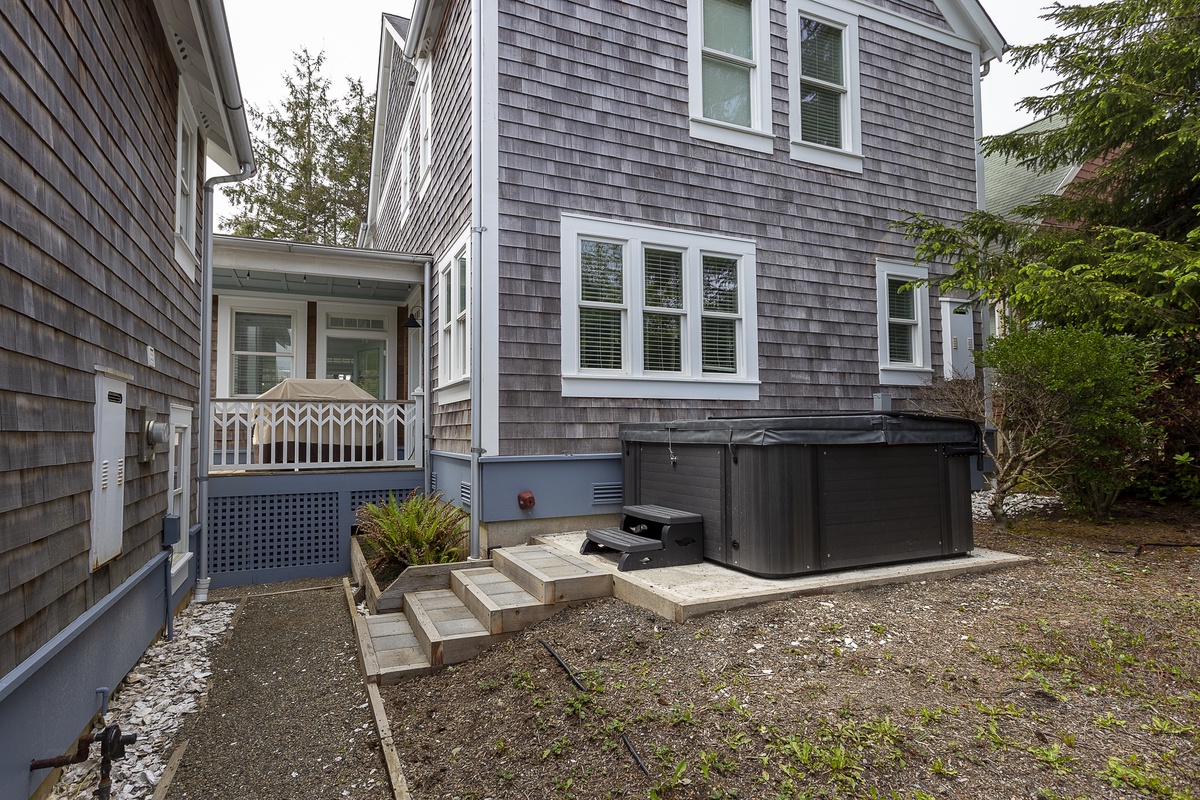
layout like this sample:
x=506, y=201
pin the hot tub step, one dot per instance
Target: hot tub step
x=618, y=539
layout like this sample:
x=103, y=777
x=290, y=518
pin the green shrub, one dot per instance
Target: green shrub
x=423, y=529
x=1075, y=404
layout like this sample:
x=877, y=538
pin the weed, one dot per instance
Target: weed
x=556, y=748
x=680, y=715
x=1107, y=720
x=1054, y=757
x=1168, y=727
x=939, y=767
x=523, y=681
x=1135, y=773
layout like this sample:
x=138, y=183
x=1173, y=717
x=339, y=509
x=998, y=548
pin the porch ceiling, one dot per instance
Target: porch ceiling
x=295, y=283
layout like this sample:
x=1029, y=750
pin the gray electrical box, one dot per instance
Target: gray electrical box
x=171, y=532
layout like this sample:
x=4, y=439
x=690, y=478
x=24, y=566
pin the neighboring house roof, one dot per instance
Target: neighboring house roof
x=1008, y=183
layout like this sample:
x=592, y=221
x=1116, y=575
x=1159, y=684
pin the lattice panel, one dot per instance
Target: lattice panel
x=358, y=498
x=273, y=532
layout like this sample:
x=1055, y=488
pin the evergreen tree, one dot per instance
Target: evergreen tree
x=314, y=160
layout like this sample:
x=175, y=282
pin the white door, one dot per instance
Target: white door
x=958, y=339
x=179, y=489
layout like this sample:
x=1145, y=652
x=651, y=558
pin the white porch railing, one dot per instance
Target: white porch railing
x=312, y=435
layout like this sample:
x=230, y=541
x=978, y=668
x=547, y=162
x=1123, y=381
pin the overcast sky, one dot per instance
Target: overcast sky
x=265, y=33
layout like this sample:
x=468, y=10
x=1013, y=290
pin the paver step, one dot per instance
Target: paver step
x=397, y=652
x=551, y=575
x=447, y=630
x=497, y=601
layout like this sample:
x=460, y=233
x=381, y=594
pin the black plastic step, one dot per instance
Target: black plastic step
x=618, y=539
x=661, y=514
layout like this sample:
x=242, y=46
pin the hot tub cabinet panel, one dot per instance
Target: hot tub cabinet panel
x=793, y=495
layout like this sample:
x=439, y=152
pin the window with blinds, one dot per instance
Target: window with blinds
x=262, y=351
x=823, y=88
x=902, y=322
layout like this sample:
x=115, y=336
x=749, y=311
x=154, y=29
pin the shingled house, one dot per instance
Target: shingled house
x=673, y=209
x=108, y=110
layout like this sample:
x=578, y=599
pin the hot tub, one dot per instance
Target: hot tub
x=785, y=496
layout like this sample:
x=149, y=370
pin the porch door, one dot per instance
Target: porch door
x=370, y=367
x=958, y=340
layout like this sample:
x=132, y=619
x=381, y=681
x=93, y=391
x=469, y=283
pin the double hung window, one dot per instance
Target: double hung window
x=644, y=305
x=263, y=353
x=454, y=325
x=903, y=309
x=823, y=62
x=730, y=72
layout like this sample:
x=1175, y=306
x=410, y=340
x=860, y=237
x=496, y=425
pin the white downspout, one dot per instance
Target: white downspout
x=426, y=348
x=213, y=12
x=477, y=231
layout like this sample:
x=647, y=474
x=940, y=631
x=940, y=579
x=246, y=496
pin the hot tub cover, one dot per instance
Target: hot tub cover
x=826, y=429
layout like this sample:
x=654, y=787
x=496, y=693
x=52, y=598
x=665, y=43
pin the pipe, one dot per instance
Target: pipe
x=167, y=593
x=477, y=231
x=213, y=13
x=426, y=405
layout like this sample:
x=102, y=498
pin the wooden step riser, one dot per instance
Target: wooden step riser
x=549, y=589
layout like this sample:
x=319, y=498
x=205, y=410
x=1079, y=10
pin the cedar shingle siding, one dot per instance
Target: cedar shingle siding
x=594, y=119
x=87, y=277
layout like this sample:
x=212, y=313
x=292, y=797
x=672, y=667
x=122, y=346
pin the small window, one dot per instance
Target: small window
x=262, y=351
x=656, y=312
x=823, y=61
x=728, y=74
x=187, y=160
x=454, y=324
x=904, y=352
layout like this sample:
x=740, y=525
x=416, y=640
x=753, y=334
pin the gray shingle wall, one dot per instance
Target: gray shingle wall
x=594, y=120
x=439, y=214
x=924, y=10
x=87, y=277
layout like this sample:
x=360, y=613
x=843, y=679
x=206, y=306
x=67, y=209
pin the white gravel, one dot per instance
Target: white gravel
x=1013, y=504
x=169, y=681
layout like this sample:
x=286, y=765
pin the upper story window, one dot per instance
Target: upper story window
x=187, y=163
x=454, y=324
x=823, y=64
x=903, y=311
x=656, y=312
x=730, y=72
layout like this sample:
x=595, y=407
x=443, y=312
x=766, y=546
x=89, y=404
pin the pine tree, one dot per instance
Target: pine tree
x=314, y=159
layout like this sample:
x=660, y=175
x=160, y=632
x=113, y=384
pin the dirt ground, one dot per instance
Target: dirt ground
x=1077, y=675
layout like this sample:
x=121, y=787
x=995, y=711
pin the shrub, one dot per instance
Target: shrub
x=423, y=529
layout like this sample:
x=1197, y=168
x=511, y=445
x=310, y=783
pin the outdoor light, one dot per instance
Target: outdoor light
x=413, y=320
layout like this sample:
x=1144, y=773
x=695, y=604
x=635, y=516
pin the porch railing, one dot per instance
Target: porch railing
x=315, y=434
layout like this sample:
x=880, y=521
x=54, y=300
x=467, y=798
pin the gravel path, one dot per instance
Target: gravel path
x=287, y=716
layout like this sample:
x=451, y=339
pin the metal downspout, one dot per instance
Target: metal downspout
x=477, y=232
x=426, y=405
x=213, y=12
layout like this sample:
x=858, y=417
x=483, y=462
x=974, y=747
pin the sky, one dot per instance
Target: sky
x=266, y=33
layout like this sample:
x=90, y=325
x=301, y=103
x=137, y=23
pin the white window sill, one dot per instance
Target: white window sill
x=179, y=569
x=827, y=157
x=186, y=259
x=904, y=376
x=454, y=392
x=732, y=135
x=657, y=387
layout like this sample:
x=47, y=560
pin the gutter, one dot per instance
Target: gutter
x=216, y=27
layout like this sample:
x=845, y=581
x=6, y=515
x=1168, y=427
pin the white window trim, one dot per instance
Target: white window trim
x=187, y=155
x=632, y=381
x=227, y=304
x=759, y=137
x=181, y=555
x=454, y=378
x=921, y=370
x=388, y=336
x=849, y=156
x=424, y=89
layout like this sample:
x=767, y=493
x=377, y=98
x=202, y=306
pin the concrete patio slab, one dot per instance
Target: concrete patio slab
x=680, y=593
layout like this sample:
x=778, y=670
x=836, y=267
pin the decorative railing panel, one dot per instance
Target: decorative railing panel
x=314, y=434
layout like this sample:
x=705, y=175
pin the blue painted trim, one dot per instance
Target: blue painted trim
x=13, y=680
x=541, y=459
x=561, y=485
x=447, y=454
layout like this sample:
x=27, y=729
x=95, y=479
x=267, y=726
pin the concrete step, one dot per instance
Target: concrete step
x=397, y=653
x=551, y=575
x=447, y=630
x=498, y=602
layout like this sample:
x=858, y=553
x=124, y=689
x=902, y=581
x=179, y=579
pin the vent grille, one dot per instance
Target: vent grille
x=433, y=482
x=607, y=493
x=464, y=493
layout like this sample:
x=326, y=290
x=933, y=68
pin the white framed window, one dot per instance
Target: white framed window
x=825, y=116
x=729, y=72
x=903, y=312
x=263, y=350
x=357, y=344
x=657, y=312
x=179, y=490
x=187, y=160
x=454, y=323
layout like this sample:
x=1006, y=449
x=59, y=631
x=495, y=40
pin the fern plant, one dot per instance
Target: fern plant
x=421, y=529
